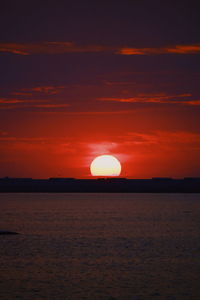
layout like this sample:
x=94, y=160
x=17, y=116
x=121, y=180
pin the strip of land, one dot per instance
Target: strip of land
x=101, y=185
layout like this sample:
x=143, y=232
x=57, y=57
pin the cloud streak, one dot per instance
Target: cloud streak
x=177, y=49
x=49, y=48
x=71, y=47
x=168, y=139
x=50, y=90
x=183, y=99
x=12, y=103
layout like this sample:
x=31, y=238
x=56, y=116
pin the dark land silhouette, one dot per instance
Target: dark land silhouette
x=100, y=185
x=7, y=232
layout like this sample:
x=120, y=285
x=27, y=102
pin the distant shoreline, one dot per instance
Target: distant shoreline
x=101, y=185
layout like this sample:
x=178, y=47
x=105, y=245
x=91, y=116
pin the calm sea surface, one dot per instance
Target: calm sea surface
x=100, y=246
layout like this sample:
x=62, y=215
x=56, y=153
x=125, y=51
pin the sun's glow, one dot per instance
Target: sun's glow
x=105, y=165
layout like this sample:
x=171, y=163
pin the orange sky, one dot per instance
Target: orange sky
x=148, y=142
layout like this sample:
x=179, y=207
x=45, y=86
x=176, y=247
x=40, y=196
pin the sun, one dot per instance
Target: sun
x=105, y=165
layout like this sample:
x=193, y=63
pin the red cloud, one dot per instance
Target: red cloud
x=10, y=101
x=51, y=105
x=138, y=51
x=155, y=98
x=70, y=47
x=45, y=89
x=184, y=49
x=177, y=49
x=163, y=137
x=21, y=94
x=29, y=103
x=49, y=48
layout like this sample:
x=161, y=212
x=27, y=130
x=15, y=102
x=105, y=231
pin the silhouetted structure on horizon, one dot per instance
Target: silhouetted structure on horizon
x=100, y=185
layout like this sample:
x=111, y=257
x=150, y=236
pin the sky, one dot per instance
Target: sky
x=85, y=78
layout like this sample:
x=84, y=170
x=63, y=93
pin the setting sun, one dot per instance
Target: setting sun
x=105, y=165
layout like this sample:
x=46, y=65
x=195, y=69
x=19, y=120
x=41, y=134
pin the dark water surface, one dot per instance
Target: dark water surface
x=100, y=246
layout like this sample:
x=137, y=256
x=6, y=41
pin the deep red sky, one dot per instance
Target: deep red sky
x=84, y=79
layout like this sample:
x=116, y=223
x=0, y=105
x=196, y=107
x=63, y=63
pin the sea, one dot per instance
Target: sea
x=100, y=246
